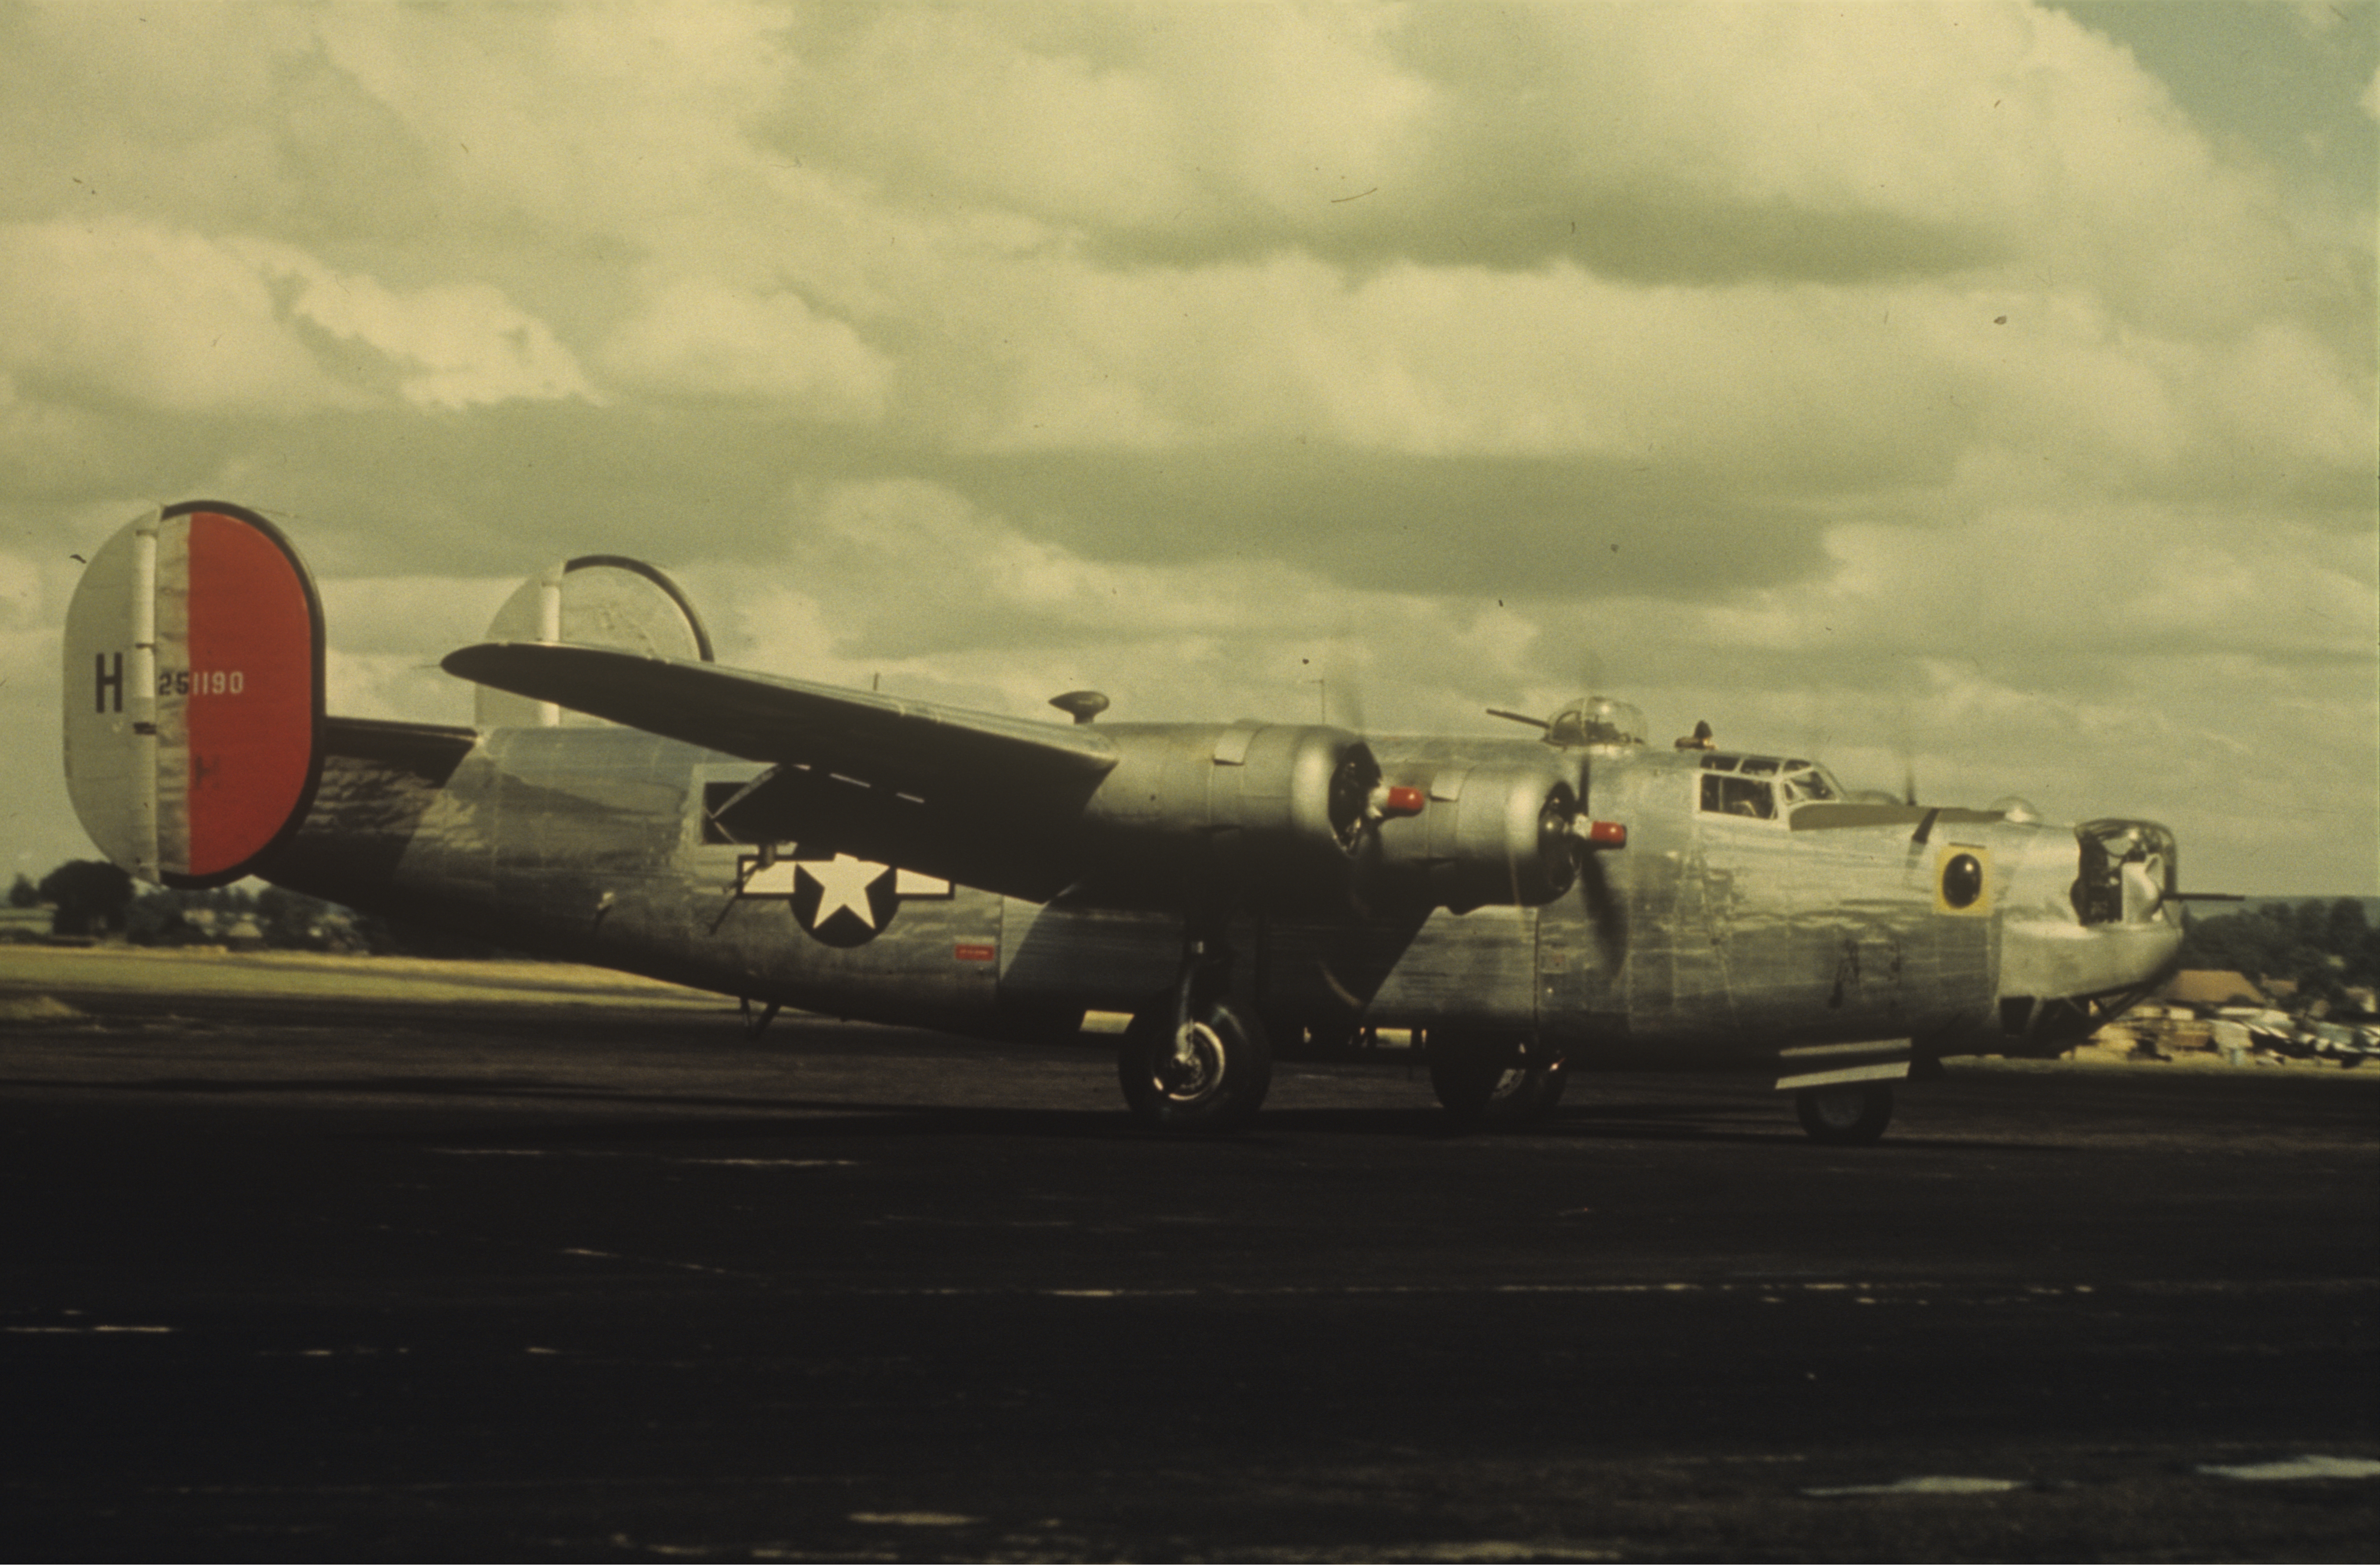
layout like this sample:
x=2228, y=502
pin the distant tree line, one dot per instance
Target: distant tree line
x=93, y=897
x=85, y=896
x=2322, y=947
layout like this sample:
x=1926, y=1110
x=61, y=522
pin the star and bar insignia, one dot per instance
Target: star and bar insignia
x=840, y=901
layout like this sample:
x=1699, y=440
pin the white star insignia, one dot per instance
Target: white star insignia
x=843, y=883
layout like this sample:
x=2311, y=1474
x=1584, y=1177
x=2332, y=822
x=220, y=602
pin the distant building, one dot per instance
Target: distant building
x=2204, y=991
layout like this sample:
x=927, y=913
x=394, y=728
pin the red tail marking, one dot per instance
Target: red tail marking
x=252, y=700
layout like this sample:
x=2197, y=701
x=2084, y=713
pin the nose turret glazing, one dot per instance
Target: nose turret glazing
x=2126, y=871
x=2070, y=964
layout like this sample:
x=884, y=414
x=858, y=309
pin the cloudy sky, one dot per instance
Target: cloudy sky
x=1982, y=390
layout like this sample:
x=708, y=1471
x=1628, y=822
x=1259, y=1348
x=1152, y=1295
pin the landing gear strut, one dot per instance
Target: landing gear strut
x=1193, y=1061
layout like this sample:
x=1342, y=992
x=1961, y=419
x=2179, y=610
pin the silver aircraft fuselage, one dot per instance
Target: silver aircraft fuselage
x=1740, y=925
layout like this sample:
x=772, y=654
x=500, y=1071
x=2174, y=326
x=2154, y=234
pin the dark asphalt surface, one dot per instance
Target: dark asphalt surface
x=510, y=1285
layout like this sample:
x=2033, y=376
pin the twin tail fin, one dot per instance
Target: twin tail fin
x=193, y=694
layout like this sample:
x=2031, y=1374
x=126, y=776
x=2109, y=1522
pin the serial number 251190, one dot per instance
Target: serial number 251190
x=200, y=681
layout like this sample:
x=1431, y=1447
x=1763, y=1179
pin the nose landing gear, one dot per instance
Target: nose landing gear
x=1849, y=1115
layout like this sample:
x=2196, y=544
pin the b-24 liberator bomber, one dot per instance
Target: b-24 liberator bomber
x=1529, y=906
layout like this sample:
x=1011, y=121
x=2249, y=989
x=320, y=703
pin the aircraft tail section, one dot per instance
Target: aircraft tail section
x=193, y=694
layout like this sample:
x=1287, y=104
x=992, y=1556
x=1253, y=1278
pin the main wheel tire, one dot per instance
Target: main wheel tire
x=1486, y=1085
x=1853, y=1114
x=1214, y=1077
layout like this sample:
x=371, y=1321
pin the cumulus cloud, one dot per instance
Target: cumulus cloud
x=1950, y=382
x=134, y=312
x=699, y=338
x=179, y=322
x=450, y=346
x=913, y=585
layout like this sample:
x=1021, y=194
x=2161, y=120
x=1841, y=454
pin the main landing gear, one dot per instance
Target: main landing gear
x=1194, y=1060
x=1485, y=1080
x=1848, y=1114
x=1208, y=1071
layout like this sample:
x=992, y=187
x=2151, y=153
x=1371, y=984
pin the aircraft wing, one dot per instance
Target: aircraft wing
x=882, y=740
x=963, y=793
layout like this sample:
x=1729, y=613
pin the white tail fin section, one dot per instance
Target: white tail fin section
x=595, y=601
x=193, y=694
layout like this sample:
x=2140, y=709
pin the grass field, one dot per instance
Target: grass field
x=40, y=982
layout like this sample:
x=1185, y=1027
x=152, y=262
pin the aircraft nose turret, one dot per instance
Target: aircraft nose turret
x=2070, y=963
x=2125, y=871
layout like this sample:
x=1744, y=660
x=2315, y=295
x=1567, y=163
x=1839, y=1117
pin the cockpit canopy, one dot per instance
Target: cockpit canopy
x=1763, y=787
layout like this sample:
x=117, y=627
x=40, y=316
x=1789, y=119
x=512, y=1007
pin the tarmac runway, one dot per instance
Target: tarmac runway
x=610, y=1281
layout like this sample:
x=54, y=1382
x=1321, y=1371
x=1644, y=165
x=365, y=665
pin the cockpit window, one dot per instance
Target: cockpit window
x=1749, y=796
x=1734, y=784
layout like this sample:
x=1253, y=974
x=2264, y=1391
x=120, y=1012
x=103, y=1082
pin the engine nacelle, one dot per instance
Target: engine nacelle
x=1240, y=813
x=1488, y=836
